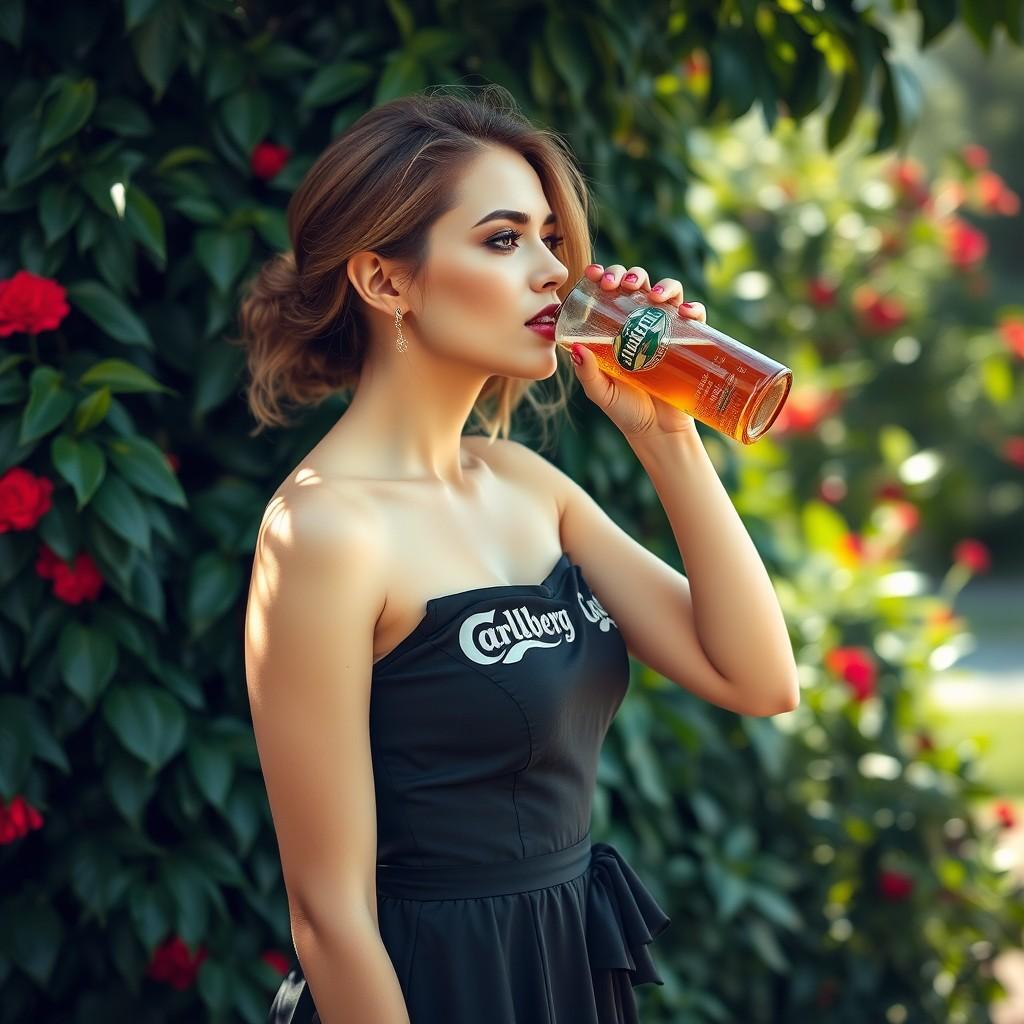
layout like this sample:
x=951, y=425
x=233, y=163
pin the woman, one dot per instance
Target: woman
x=428, y=715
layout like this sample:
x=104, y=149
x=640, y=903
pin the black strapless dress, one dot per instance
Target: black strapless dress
x=495, y=907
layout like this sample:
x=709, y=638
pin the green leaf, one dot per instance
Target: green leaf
x=223, y=254
x=216, y=983
x=225, y=73
x=145, y=223
x=851, y=92
x=117, y=505
x=44, y=745
x=186, y=883
x=152, y=913
x=157, y=46
x=214, y=585
x=109, y=313
x=88, y=660
x=66, y=113
x=823, y=526
x=91, y=410
x=936, y=16
x=213, y=769
x=336, y=82
x=200, y=209
x=12, y=22
x=137, y=11
x=48, y=404
x=149, y=722
x=119, y=375
x=180, y=156
x=762, y=937
x=246, y=118
x=21, y=161
x=36, y=943
x=123, y=116
x=732, y=82
x=272, y=226
x=217, y=376
x=80, y=461
x=282, y=60
x=981, y=18
x=775, y=906
x=570, y=53
x=402, y=74
x=129, y=788
x=145, y=467
x=59, y=208
x=15, y=744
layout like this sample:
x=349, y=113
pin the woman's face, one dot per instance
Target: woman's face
x=482, y=283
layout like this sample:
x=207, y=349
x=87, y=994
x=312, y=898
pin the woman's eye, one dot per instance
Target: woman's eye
x=512, y=236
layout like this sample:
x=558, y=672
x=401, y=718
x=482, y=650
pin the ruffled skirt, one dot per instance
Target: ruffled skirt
x=561, y=938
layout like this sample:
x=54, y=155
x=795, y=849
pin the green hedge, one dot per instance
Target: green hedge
x=149, y=150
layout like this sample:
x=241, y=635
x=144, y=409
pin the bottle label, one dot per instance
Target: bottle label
x=638, y=345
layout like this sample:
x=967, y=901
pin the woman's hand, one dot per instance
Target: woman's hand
x=636, y=413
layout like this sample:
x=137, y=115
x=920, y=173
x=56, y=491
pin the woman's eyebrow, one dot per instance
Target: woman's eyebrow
x=517, y=216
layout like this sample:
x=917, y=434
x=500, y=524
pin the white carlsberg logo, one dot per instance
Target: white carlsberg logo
x=519, y=629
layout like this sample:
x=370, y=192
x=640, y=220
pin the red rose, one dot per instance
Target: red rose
x=972, y=554
x=24, y=499
x=805, y=409
x=1005, y=814
x=821, y=292
x=878, y=313
x=1008, y=203
x=1013, y=451
x=1012, y=331
x=965, y=244
x=975, y=156
x=277, y=960
x=908, y=177
x=856, y=667
x=895, y=886
x=267, y=159
x=17, y=819
x=78, y=583
x=890, y=490
x=47, y=562
x=30, y=304
x=172, y=962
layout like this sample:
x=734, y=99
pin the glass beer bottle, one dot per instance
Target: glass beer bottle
x=710, y=376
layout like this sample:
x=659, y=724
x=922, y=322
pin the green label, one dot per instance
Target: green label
x=638, y=344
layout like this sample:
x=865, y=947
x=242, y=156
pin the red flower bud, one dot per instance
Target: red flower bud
x=267, y=159
x=972, y=554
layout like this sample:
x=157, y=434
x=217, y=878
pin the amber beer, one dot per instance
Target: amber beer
x=710, y=376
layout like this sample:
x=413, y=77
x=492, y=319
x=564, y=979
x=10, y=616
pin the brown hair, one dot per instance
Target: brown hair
x=380, y=185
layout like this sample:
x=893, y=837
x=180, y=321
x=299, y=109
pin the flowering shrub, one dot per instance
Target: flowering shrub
x=149, y=150
x=864, y=274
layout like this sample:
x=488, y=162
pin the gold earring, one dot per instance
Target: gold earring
x=402, y=345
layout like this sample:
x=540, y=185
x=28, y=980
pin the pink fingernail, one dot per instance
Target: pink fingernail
x=658, y=288
x=629, y=277
x=609, y=277
x=688, y=305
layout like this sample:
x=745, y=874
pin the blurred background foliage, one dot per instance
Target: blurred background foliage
x=819, y=865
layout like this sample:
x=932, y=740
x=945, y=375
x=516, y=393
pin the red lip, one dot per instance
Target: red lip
x=549, y=310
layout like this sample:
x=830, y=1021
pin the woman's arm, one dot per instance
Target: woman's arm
x=314, y=598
